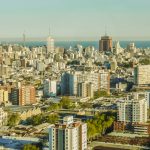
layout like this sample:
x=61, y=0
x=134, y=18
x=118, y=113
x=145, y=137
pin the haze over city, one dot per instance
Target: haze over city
x=74, y=75
x=75, y=19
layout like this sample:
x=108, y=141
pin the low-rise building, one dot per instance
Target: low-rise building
x=3, y=117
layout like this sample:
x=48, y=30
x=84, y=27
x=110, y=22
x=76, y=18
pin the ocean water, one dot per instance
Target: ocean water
x=67, y=44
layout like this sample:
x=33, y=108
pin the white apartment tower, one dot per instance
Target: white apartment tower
x=50, y=44
x=132, y=110
x=142, y=75
x=50, y=88
x=69, y=135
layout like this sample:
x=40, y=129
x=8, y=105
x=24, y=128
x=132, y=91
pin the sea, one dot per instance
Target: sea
x=68, y=44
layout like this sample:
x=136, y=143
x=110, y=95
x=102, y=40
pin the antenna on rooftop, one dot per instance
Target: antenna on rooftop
x=24, y=38
x=105, y=30
x=49, y=31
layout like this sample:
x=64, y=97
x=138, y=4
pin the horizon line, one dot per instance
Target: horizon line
x=115, y=38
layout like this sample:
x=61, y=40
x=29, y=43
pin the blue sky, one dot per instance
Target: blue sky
x=75, y=18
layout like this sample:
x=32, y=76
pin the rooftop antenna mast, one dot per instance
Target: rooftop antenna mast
x=105, y=30
x=24, y=39
x=49, y=31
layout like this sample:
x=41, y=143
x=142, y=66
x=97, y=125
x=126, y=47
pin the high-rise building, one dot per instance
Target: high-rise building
x=50, y=88
x=72, y=82
x=50, y=45
x=132, y=114
x=85, y=90
x=82, y=89
x=105, y=44
x=14, y=96
x=27, y=95
x=69, y=135
x=132, y=110
x=142, y=75
x=147, y=97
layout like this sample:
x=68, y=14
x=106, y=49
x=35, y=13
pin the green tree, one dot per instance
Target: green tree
x=13, y=119
x=145, y=61
x=35, y=120
x=52, y=107
x=53, y=118
x=30, y=147
x=99, y=93
x=65, y=103
x=99, y=124
x=91, y=130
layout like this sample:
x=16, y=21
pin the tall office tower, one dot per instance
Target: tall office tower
x=50, y=88
x=3, y=117
x=50, y=44
x=105, y=44
x=142, y=75
x=132, y=110
x=27, y=95
x=70, y=135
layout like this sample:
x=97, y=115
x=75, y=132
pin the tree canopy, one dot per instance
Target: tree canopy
x=100, y=93
x=52, y=107
x=145, y=61
x=99, y=124
x=39, y=119
x=30, y=147
x=13, y=119
x=66, y=103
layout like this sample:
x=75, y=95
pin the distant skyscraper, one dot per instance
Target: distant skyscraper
x=105, y=44
x=50, y=44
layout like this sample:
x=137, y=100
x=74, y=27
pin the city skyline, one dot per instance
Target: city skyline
x=76, y=20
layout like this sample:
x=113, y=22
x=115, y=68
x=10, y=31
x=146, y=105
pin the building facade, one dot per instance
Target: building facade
x=69, y=135
x=27, y=95
x=3, y=117
x=105, y=44
x=132, y=110
x=132, y=115
x=50, y=88
x=78, y=83
x=4, y=97
x=50, y=45
x=142, y=75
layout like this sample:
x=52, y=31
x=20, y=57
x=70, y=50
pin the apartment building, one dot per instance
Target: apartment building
x=27, y=95
x=69, y=135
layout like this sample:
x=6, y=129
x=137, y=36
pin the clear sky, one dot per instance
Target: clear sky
x=75, y=18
